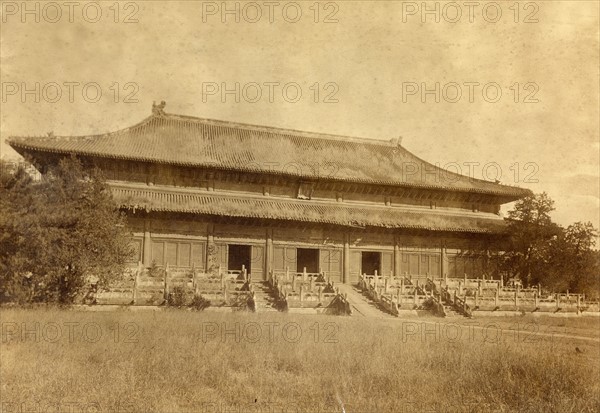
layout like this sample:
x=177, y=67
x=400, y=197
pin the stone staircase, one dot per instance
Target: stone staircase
x=362, y=305
x=263, y=297
x=451, y=312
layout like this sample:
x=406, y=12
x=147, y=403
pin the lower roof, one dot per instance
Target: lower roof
x=163, y=199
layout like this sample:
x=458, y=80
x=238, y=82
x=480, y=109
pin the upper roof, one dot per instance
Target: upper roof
x=191, y=141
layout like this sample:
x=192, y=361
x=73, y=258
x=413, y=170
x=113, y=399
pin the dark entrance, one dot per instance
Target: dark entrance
x=309, y=258
x=371, y=262
x=239, y=255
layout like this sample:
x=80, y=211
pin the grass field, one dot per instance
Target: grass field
x=180, y=361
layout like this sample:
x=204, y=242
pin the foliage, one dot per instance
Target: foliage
x=531, y=230
x=199, y=303
x=542, y=252
x=178, y=297
x=57, y=233
x=572, y=264
x=156, y=271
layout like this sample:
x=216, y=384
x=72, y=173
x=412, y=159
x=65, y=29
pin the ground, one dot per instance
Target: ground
x=172, y=361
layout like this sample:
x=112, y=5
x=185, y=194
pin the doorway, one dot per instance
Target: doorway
x=309, y=258
x=371, y=262
x=239, y=255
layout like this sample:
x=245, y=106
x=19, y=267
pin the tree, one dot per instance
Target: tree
x=531, y=232
x=542, y=252
x=57, y=233
x=573, y=260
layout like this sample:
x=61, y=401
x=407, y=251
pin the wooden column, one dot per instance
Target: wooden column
x=147, y=244
x=269, y=252
x=443, y=261
x=397, y=257
x=210, y=241
x=346, y=272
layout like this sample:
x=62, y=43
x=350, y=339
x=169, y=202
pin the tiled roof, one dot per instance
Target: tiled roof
x=345, y=214
x=199, y=142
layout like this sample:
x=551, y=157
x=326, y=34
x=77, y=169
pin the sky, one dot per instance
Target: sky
x=498, y=90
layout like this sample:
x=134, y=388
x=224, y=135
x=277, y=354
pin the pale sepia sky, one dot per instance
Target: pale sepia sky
x=369, y=52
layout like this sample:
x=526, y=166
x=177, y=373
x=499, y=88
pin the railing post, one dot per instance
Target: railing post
x=320, y=293
x=385, y=285
x=497, y=298
x=135, y=282
x=557, y=301
x=304, y=274
x=301, y=285
x=415, y=297
x=517, y=296
x=476, y=298
x=535, y=299
x=287, y=273
x=166, y=283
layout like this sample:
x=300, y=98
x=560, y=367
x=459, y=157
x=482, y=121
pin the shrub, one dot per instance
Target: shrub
x=199, y=303
x=178, y=297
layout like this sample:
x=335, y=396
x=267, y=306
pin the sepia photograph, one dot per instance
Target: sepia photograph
x=349, y=206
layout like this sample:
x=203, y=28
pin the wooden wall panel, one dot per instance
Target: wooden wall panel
x=198, y=255
x=178, y=253
x=158, y=252
x=387, y=263
x=222, y=253
x=258, y=262
x=171, y=253
x=278, y=258
x=331, y=262
x=355, y=266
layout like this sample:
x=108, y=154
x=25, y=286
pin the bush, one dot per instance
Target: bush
x=178, y=297
x=199, y=303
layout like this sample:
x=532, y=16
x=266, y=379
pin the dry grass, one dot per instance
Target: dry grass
x=372, y=366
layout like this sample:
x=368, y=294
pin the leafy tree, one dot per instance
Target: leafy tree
x=542, y=252
x=531, y=232
x=573, y=264
x=57, y=233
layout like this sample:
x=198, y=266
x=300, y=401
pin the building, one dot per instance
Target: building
x=207, y=193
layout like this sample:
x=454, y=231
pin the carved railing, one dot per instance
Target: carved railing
x=305, y=290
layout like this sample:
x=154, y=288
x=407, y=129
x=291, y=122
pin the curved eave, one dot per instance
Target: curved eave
x=508, y=194
x=138, y=207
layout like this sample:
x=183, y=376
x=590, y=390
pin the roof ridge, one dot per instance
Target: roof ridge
x=224, y=123
x=265, y=128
